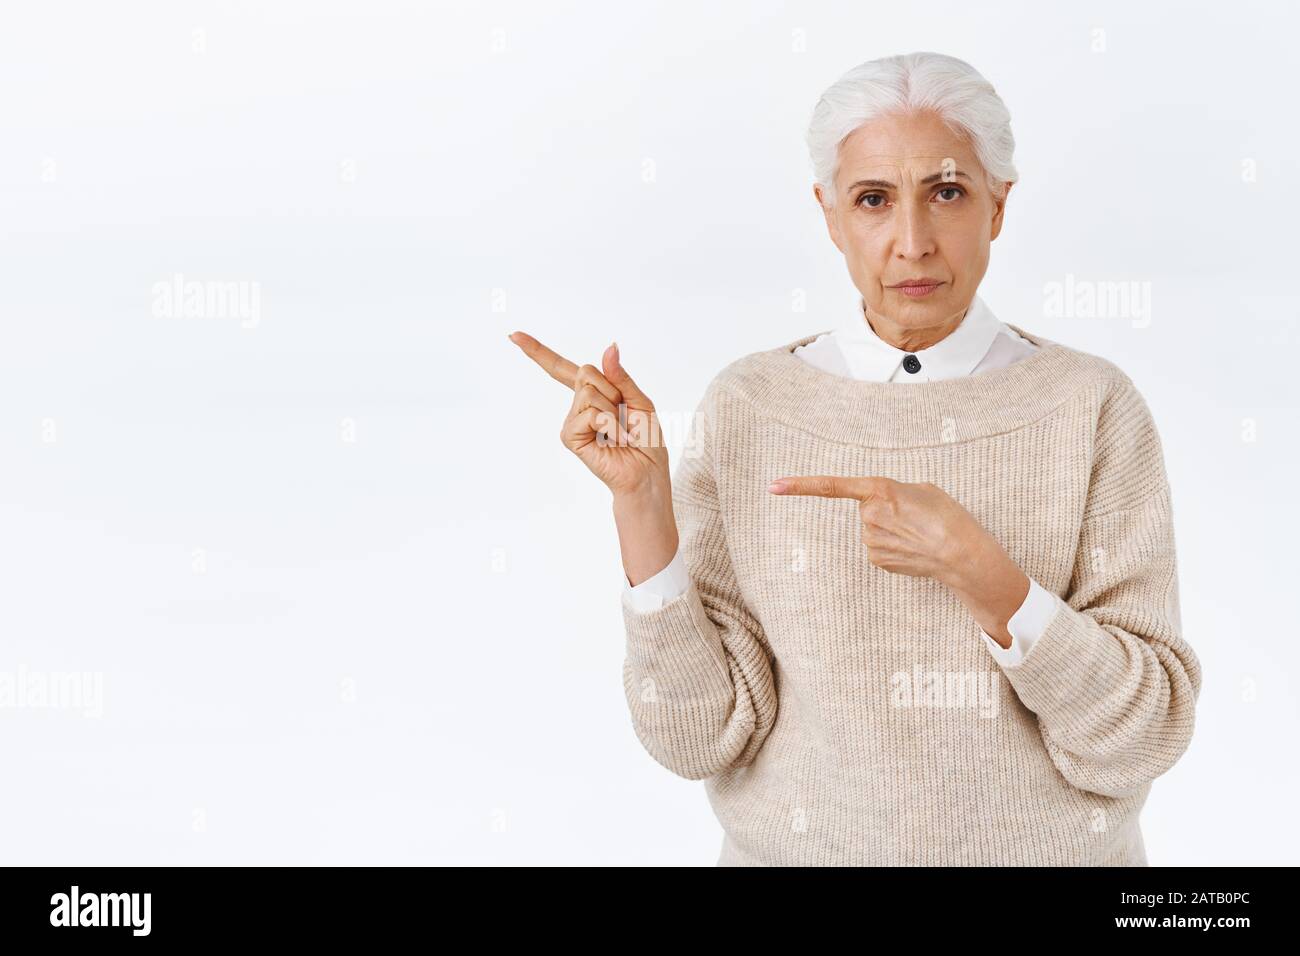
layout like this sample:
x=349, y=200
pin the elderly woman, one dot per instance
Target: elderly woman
x=948, y=632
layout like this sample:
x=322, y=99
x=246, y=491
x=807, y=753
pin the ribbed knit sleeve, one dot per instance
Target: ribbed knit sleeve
x=1112, y=681
x=698, y=670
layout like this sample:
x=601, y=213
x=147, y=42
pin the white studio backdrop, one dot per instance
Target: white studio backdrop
x=305, y=573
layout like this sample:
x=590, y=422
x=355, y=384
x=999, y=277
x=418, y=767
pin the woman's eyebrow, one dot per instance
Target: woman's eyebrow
x=932, y=178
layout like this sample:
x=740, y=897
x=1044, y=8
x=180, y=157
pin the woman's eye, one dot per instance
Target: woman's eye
x=876, y=200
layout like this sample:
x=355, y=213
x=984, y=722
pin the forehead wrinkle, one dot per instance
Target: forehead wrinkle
x=868, y=179
x=862, y=168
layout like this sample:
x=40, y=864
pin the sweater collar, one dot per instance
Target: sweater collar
x=782, y=386
x=870, y=357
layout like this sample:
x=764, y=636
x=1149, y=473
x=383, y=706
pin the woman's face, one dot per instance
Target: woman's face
x=911, y=202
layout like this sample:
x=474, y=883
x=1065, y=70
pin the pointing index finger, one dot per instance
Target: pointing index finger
x=556, y=365
x=826, y=486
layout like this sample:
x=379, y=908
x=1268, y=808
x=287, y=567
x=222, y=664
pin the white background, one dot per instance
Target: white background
x=407, y=647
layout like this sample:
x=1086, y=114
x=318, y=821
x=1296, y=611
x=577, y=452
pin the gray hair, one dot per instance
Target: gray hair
x=906, y=84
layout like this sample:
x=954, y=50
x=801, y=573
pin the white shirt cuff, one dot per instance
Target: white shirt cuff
x=1026, y=625
x=653, y=592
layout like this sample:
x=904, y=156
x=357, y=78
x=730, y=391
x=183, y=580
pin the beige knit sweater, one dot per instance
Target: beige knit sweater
x=840, y=714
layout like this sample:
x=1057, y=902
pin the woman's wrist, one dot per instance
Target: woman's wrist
x=968, y=552
x=647, y=531
x=988, y=582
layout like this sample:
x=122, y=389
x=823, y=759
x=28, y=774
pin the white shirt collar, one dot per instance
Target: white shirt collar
x=871, y=357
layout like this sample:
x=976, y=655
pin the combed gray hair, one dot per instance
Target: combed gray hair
x=907, y=84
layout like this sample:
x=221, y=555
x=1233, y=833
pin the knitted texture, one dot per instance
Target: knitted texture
x=841, y=714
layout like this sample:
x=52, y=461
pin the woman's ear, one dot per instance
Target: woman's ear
x=832, y=225
x=999, y=207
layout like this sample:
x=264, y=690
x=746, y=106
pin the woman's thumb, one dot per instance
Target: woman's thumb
x=619, y=378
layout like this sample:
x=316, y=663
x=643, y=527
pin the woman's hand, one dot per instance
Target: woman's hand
x=625, y=450
x=917, y=528
x=627, y=454
x=911, y=528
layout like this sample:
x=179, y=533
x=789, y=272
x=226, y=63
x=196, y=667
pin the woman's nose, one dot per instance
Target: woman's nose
x=914, y=233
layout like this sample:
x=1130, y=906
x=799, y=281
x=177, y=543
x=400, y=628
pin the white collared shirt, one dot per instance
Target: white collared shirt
x=853, y=350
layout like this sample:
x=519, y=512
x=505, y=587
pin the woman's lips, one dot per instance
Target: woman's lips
x=916, y=291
